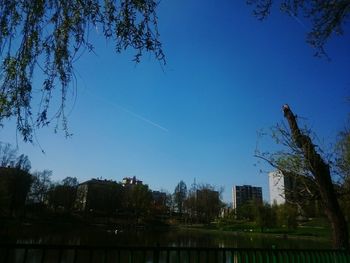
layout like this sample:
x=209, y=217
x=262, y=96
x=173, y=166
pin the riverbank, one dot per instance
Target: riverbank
x=272, y=233
x=315, y=229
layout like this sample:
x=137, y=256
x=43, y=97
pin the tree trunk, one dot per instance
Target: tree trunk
x=320, y=170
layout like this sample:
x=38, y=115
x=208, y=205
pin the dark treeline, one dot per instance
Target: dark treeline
x=26, y=195
x=35, y=196
x=199, y=204
x=263, y=217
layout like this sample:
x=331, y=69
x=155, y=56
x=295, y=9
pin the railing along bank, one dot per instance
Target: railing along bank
x=25, y=253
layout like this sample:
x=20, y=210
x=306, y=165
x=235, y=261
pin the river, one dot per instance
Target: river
x=173, y=237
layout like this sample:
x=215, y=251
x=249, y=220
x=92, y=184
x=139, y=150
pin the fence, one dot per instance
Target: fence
x=30, y=253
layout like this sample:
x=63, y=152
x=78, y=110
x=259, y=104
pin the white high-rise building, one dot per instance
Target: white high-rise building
x=277, y=184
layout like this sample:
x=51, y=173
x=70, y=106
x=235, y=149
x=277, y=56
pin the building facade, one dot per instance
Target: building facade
x=277, y=188
x=129, y=181
x=98, y=196
x=283, y=188
x=294, y=189
x=245, y=193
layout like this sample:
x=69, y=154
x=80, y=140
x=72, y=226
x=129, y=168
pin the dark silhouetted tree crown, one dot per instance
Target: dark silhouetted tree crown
x=327, y=17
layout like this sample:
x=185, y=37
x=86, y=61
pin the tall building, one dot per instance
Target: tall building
x=245, y=193
x=294, y=189
x=282, y=188
x=276, y=188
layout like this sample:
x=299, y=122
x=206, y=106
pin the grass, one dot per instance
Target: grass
x=315, y=228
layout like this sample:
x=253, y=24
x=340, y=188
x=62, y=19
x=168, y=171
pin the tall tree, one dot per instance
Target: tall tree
x=48, y=36
x=311, y=171
x=265, y=216
x=8, y=158
x=7, y=155
x=23, y=163
x=343, y=154
x=327, y=17
x=247, y=210
x=203, y=203
x=343, y=168
x=208, y=203
x=320, y=170
x=70, y=181
x=287, y=215
x=14, y=187
x=138, y=200
x=40, y=186
x=63, y=195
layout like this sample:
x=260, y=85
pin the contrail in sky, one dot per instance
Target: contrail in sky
x=142, y=118
x=299, y=22
x=138, y=116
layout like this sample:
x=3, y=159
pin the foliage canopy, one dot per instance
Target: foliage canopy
x=327, y=17
x=48, y=36
x=305, y=161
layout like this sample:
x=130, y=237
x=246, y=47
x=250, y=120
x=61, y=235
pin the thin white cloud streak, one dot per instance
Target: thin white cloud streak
x=142, y=118
x=299, y=22
x=138, y=116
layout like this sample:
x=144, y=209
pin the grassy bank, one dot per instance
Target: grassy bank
x=315, y=228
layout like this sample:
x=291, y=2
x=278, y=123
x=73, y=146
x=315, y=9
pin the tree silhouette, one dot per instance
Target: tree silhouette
x=8, y=158
x=14, y=187
x=302, y=159
x=40, y=186
x=343, y=168
x=327, y=17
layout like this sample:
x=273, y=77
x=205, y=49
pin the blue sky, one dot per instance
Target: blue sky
x=227, y=76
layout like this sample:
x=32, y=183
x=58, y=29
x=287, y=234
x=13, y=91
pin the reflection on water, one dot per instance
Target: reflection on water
x=73, y=235
x=78, y=235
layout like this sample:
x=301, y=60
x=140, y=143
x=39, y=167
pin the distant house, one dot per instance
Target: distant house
x=14, y=187
x=102, y=196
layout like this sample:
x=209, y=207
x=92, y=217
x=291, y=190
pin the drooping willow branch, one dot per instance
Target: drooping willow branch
x=48, y=36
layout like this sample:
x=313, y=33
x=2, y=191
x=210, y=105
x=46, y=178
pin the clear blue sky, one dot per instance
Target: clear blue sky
x=227, y=76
